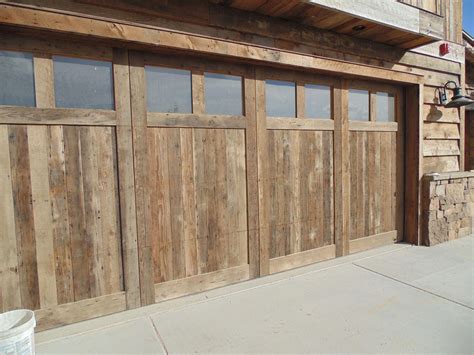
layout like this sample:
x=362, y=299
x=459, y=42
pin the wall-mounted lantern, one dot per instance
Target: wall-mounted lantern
x=458, y=99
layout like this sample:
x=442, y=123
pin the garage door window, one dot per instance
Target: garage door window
x=280, y=98
x=83, y=83
x=358, y=105
x=16, y=72
x=223, y=94
x=168, y=90
x=317, y=101
x=385, y=107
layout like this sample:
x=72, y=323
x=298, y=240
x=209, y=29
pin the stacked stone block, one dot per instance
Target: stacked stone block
x=448, y=206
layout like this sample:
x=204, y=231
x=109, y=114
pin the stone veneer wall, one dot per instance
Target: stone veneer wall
x=448, y=206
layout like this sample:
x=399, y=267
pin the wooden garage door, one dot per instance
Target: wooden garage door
x=190, y=120
x=61, y=164
x=296, y=172
x=376, y=164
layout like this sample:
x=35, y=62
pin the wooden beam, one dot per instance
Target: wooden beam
x=373, y=241
x=263, y=178
x=56, y=116
x=303, y=258
x=413, y=162
x=199, y=283
x=68, y=313
x=139, y=131
x=251, y=157
x=126, y=179
x=46, y=20
x=341, y=169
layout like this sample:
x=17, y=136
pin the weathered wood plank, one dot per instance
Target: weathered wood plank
x=373, y=126
x=251, y=170
x=10, y=287
x=24, y=217
x=432, y=130
x=189, y=203
x=78, y=311
x=440, y=164
x=43, y=224
x=433, y=113
x=143, y=213
x=303, y=258
x=76, y=213
x=111, y=253
x=300, y=124
x=56, y=116
x=155, y=119
x=176, y=202
x=93, y=241
x=60, y=215
x=440, y=147
x=128, y=221
x=341, y=170
x=44, y=80
x=199, y=283
x=374, y=241
x=263, y=178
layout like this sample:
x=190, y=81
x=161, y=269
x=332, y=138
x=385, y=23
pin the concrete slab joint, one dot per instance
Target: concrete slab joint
x=448, y=206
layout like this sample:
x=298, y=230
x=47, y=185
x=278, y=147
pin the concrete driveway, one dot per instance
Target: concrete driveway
x=395, y=299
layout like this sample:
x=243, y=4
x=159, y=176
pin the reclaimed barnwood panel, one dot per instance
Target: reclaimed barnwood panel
x=59, y=201
x=198, y=283
x=440, y=147
x=301, y=201
x=198, y=201
x=434, y=130
x=373, y=183
x=434, y=113
x=440, y=164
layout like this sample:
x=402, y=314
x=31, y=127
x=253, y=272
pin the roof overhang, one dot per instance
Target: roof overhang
x=384, y=21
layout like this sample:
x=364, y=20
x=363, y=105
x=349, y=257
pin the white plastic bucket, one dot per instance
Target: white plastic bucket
x=17, y=332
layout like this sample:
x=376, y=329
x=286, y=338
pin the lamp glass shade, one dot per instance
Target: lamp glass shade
x=459, y=101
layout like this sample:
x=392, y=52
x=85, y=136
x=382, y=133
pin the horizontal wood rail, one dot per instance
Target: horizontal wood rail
x=199, y=283
x=300, y=124
x=303, y=258
x=155, y=119
x=373, y=241
x=373, y=126
x=71, y=24
x=80, y=310
x=56, y=116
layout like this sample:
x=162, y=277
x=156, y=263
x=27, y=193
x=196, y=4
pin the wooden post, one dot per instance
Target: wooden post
x=126, y=178
x=139, y=131
x=252, y=175
x=341, y=169
x=413, y=162
x=263, y=183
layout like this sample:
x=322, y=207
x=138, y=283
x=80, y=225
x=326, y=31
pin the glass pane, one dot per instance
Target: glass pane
x=385, y=107
x=317, y=101
x=223, y=94
x=168, y=90
x=280, y=98
x=83, y=83
x=17, y=78
x=358, y=105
